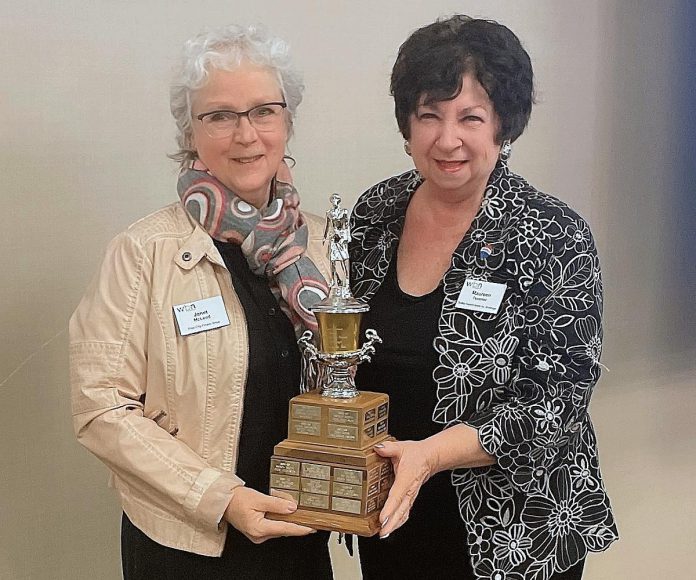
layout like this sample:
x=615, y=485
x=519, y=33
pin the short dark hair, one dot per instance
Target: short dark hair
x=433, y=60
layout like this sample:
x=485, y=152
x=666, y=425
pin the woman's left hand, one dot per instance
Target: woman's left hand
x=414, y=463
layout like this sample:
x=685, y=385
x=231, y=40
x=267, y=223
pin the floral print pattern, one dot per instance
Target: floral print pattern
x=523, y=376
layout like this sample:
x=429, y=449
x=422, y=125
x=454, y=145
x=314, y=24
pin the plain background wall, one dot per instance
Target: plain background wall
x=85, y=128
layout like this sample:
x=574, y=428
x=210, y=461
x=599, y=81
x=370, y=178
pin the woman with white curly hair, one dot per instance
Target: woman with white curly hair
x=183, y=350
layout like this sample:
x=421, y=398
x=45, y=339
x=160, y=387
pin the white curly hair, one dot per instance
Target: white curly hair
x=225, y=48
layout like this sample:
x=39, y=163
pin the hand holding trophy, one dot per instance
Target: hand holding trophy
x=327, y=464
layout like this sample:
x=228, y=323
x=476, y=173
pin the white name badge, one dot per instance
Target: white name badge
x=481, y=296
x=201, y=315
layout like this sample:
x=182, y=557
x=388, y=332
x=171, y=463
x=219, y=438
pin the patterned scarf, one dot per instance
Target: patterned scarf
x=273, y=239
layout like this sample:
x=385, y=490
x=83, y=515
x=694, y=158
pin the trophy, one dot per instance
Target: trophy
x=327, y=464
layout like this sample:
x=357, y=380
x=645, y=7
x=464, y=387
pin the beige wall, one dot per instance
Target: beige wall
x=85, y=128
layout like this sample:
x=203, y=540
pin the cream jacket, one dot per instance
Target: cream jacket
x=163, y=411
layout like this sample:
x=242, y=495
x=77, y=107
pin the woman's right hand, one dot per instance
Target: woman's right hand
x=247, y=512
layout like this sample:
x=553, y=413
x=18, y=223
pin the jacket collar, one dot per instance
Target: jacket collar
x=197, y=246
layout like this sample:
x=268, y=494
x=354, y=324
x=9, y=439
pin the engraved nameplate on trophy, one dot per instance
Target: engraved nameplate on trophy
x=327, y=464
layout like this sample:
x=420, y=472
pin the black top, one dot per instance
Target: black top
x=403, y=367
x=273, y=379
x=403, y=364
x=274, y=370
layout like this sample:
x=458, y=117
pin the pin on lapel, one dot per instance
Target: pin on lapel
x=486, y=251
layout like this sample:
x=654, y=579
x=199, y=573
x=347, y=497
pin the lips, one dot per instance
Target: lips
x=247, y=159
x=450, y=166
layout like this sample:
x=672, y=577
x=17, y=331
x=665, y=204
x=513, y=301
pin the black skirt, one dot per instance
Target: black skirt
x=286, y=558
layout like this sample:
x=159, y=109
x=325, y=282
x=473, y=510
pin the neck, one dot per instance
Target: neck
x=446, y=209
x=261, y=198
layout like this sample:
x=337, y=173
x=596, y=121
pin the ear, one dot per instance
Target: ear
x=190, y=142
x=284, y=173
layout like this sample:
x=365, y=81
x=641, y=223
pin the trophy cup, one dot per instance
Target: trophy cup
x=327, y=464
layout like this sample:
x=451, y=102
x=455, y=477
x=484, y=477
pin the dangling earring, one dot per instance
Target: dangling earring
x=283, y=174
x=505, y=151
x=407, y=148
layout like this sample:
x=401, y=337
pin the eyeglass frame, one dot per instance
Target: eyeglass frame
x=239, y=114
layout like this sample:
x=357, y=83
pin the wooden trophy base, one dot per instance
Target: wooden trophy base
x=335, y=489
x=327, y=464
x=361, y=526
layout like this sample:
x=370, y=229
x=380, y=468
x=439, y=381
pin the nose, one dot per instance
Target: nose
x=449, y=137
x=244, y=131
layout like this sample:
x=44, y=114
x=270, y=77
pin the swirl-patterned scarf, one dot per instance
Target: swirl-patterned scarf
x=273, y=239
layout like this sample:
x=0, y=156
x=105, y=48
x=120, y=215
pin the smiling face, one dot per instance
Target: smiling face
x=453, y=142
x=247, y=160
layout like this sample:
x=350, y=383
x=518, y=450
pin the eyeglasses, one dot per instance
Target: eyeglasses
x=222, y=123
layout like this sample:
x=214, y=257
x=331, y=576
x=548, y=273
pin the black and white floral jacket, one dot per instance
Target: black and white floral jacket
x=523, y=377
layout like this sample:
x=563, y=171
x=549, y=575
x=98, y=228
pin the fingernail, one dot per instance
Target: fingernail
x=384, y=537
x=292, y=507
x=384, y=523
x=379, y=446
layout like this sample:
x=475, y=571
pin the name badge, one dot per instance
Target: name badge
x=481, y=296
x=201, y=315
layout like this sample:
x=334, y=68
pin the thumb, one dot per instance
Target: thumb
x=276, y=505
x=388, y=449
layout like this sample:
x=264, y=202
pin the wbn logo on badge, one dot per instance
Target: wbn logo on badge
x=201, y=315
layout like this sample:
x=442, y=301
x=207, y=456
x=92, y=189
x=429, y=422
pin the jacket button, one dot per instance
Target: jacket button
x=285, y=353
x=272, y=311
x=186, y=256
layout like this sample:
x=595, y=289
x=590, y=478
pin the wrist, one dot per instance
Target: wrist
x=431, y=452
x=458, y=446
x=231, y=504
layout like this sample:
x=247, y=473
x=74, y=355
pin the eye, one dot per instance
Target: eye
x=426, y=115
x=264, y=111
x=473, y=118
x=220, y=117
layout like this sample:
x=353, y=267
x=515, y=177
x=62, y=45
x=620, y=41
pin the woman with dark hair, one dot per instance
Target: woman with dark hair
x=488, y=296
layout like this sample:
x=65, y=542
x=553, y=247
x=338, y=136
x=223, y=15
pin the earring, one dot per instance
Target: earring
x=505, y=151
x=407, y=148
